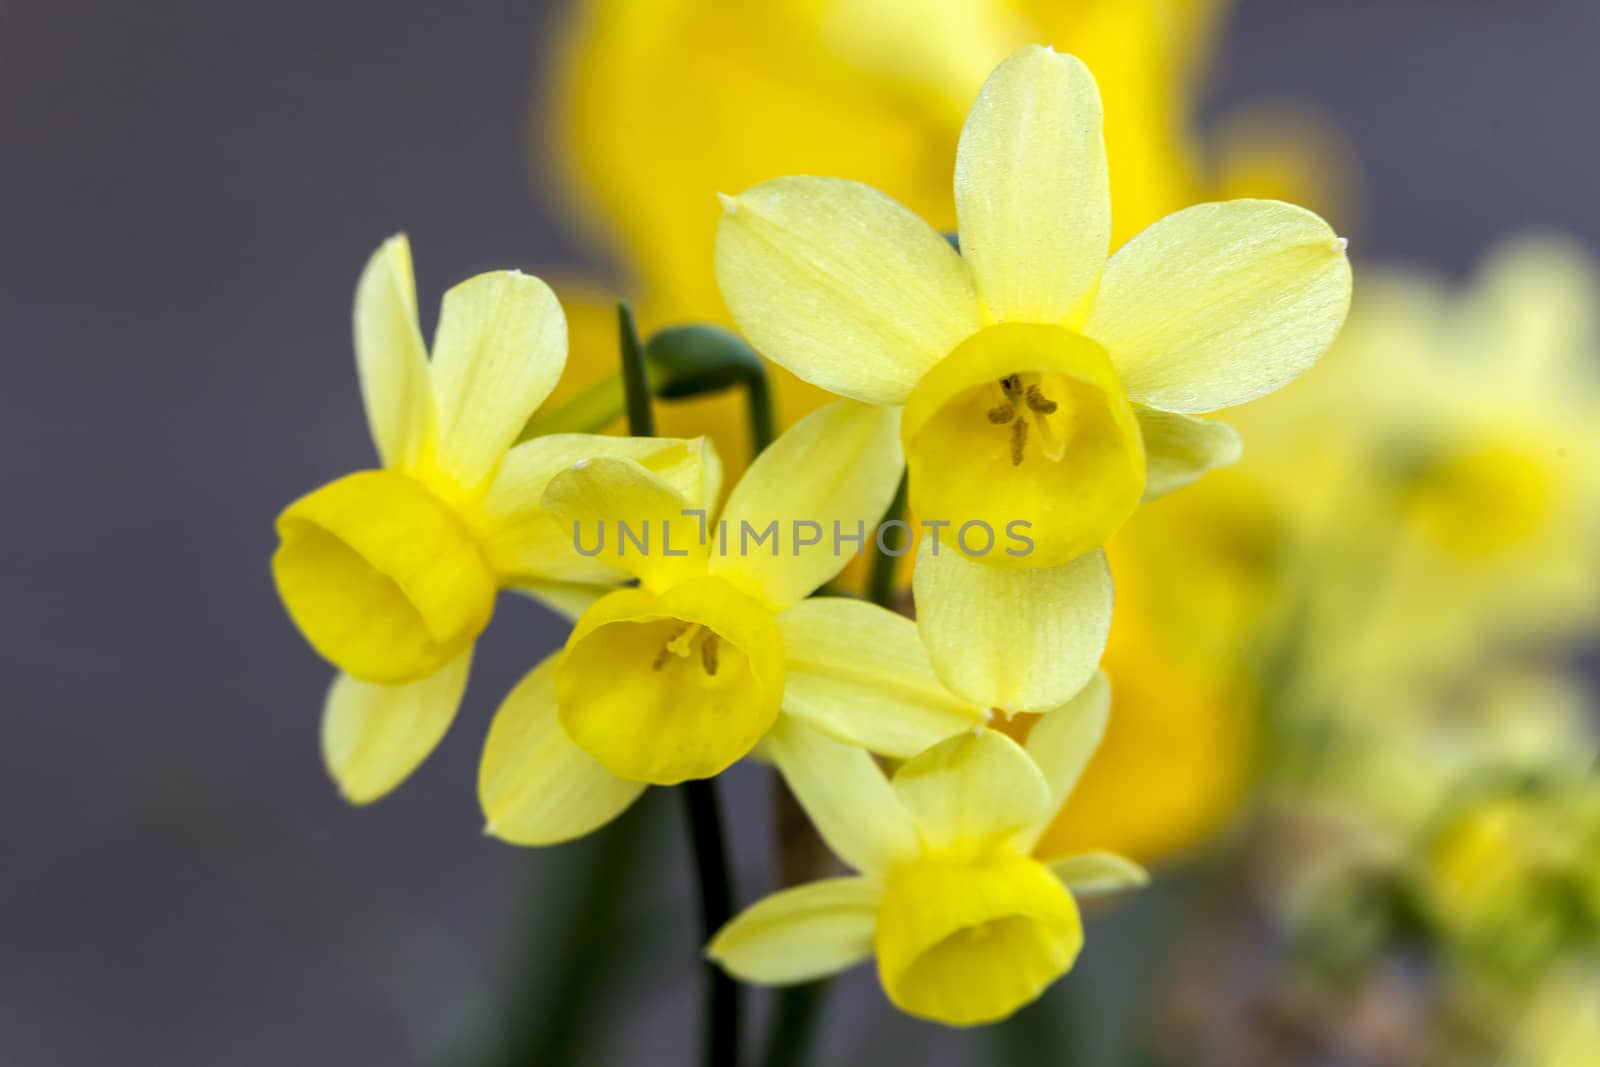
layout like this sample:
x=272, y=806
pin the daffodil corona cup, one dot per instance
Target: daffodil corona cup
x=1041, y=381
x=681, y=675
x=968, y=919
x=391, y=574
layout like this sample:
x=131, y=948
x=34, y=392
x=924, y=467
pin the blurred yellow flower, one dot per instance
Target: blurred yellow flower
x=968, y=918
x=1045, y=388
x=682, y=675
x=1421, y=508
x=391, y=574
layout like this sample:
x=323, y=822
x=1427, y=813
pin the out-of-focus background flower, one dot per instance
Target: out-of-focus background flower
x=1353, y=728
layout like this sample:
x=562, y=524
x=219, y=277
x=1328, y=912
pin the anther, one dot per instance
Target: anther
x=708, y=654
x=1039, y=402
x=1002, y=414
x=675, y=646
x=1019, y=438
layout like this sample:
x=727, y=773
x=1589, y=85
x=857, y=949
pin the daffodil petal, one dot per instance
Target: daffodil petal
x=834, y=471
x=1014, y=638
x=842, y=286
x=1178, y=449
x=618, y=513
x=849, y=800
x=520, y=537
x=374, y=736
x=1092, y=873
x=500, y=346
x=1221, y=303
x=1032, y=189
x=535, y=786
x=800, y=934
x=1061, y=743
x=975, y=788
x=859, y=673
x=390, y=357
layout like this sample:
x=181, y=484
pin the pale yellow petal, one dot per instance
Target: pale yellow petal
x=800, y=934
x=846, y=795
x=390, y=357
x=618, y=513
x=374, y=736
x=842, y=286
x=535, y=786
x=1221, y=303
x=1014, y=638
x=859, y=673
x=1061, y=743
x=835, y=471
x=1090, y=874
x=499, y=349
x=1178, y=449
x=522, y=540
x=1032, y=189
x=976, y=789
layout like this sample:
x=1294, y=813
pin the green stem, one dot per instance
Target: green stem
x=763, y=421
x=699, y=796
x=635, y=378
x=716, y=908
x=880, y=585
x=789, y=1040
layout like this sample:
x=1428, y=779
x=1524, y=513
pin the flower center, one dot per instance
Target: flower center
x=383, y=578
x=1023, y=437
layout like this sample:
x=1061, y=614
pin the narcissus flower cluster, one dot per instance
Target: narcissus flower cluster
x=1027, y=380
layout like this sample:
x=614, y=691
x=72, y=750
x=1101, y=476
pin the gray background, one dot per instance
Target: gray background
x=187, y=191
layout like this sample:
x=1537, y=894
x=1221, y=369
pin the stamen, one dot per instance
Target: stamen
x=1039, y=402
x=1011, y=384
x=1019, y=438
x=677, y=645
x=708, y=654
x=1002, y=414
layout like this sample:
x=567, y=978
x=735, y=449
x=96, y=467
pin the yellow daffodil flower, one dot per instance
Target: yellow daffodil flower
x=1042, y=384
x=681, y=676
x=391, y=574
x=969, y=921
x=875, y=91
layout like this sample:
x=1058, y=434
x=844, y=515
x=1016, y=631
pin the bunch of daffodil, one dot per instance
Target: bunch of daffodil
x=968, y=919
x=1045, y=387
x=678, y=677
x=391, y=574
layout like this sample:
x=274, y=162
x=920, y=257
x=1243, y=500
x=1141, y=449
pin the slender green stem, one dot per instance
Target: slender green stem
x=699, y=797
x=880, y=585
x=763, y=421
x=635, y=378
x=716, y=908
x=790, y=1039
